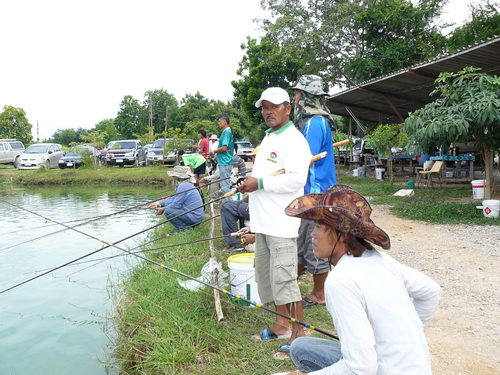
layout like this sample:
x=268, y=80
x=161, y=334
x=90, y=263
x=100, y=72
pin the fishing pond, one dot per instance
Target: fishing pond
x=60, y=323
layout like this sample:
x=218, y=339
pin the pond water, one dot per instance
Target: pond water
x=59, y=323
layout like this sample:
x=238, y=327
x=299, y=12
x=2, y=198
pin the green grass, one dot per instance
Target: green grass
x=84, y=175
x=438, y=205
x=166, y=329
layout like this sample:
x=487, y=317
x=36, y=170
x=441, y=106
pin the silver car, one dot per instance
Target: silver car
x=40, y=155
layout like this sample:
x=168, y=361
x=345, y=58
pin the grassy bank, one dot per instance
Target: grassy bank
x=165, y=329
x=85, y=176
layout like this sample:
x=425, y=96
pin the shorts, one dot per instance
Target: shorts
x=276, y=269
x=200, y=170
x=305, y=252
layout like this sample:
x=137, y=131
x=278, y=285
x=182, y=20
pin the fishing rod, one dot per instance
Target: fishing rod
x=106, y=244
x=101, y=217
x=228, y=293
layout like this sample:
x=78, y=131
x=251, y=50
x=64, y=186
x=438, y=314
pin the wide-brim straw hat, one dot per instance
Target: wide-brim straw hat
x=183, y=173
x=342, y=208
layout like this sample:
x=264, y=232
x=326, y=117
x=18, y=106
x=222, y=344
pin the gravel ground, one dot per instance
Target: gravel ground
x=464, y=259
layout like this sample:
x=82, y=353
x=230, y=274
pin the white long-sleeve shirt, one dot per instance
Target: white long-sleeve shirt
x=379, y=308
x=286, y=148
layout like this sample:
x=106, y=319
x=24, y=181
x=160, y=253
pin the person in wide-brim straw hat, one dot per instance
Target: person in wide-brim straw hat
x=379, y=306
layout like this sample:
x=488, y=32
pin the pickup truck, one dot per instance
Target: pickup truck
x=125, y=152
x=10, y=150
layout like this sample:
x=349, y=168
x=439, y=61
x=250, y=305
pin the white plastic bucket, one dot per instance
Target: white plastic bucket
x=379, y=173
x=490, y=207
x=355, y=172
x=355, y=158
x=478, y=189
x=242, y=276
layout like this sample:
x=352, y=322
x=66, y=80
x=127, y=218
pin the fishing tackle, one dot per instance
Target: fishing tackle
x=233, y=296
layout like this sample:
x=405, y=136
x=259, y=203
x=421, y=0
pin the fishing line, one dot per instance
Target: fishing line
x=106, y=244
x=228, y=293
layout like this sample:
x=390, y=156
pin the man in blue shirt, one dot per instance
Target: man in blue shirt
x=225, y=152
x=313, y=118
x=187, y=198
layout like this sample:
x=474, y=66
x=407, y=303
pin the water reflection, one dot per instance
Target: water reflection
x=57, y=324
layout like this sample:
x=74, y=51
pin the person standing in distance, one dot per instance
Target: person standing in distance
x=224, y=152
x=313, y=118
x=283, y=148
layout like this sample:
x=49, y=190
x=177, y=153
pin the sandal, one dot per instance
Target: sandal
x=283, y=352
x=307, y=302
x=268, y=334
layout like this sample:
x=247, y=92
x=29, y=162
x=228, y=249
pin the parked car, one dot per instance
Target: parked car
x=156, y=153
x=10, y=151
x=38, y=155
x=74, y=157
x=244, y=148
x=125, y=152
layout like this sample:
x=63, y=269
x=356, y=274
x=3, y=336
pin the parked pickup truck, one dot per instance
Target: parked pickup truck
x=125, y=152
x=10, y=150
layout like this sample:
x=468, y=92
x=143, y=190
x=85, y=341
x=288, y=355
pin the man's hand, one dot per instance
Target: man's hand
x=248, y=238
x=159, y=211
x=250, y=184
x=153, y=205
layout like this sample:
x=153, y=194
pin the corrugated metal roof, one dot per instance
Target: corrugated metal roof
x=389, y=99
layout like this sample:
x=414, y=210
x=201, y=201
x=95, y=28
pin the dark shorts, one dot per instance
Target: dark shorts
x=199, y=170
x=305, y=251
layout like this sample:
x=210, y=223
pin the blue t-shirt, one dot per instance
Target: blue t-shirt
x=226, y=139
x=322, y=173
x=185, y=199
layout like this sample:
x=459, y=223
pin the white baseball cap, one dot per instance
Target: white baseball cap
x=275, y=95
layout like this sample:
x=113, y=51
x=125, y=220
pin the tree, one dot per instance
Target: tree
x=160, y=100
x=15, y=125
x=131, y=117
x=68, y=136
x=468, y=107
x=108, y=127
x=347, y=42
x=95, y=138
x=485, y=23
x=263, y=66
x=384, y=138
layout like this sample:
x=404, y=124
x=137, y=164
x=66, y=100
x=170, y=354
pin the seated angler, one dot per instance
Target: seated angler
x=184, y=209
x=379, y=306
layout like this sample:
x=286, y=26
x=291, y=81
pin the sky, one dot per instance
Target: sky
x=69, y=63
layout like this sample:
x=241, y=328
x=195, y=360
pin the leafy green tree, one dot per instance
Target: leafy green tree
x=131, y=118
x=68, y=136
x=347, y=42
x=468, y=107
x=384, y=138
x=108, y=127
x=15, y=125
x=160, y=100
x=485, y=23
x=95, y=138
x=263, y=66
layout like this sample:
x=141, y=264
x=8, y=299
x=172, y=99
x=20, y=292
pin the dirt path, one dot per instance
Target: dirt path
x=465, y=332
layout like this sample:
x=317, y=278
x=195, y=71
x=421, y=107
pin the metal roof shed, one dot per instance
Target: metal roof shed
x=390, y=98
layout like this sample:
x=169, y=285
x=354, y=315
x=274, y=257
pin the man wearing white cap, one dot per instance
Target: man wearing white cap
x=283, y=148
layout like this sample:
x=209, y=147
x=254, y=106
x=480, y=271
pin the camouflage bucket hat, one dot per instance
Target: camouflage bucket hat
x=311, y=84
x=341, y=208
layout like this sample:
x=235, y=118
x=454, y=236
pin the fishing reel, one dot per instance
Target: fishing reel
x=238, y=182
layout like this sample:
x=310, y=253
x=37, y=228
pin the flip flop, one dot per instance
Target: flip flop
x=268, y=334
x=307, y=302
x=285, y=348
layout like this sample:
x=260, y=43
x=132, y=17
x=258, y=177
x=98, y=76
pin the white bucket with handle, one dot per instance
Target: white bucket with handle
x=491, y=208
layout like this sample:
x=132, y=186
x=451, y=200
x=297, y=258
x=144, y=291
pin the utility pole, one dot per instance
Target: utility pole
x=150, y=117
x=37, y=132
x=165, y=134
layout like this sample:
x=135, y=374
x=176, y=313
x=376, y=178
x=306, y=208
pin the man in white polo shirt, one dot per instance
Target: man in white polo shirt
x=283, y=148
